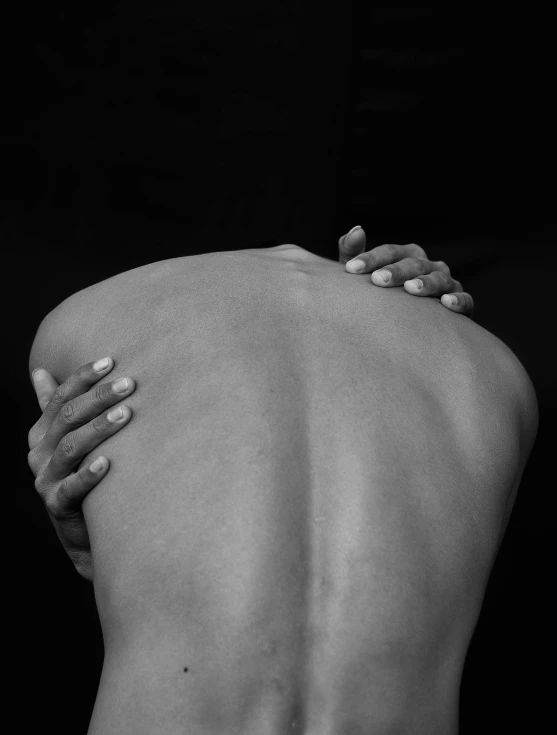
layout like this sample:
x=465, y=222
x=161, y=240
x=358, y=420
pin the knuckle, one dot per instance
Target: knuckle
x=102, y=392
x=417, y=264
x=99, y=424
x=52, y=503
x=443, y=280
x=420, y=252
x=40, y=486
x=396, y=272
x=67, y=412
x=60, y=393
x=391, y=250
x=441, y=266
x=62, y=495
x=67, y=445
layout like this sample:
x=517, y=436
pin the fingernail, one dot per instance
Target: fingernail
x=417, y=284
x=116, y=415
x=101, y=365
x=385, y=275
x=38, y=375
x=356, y=265
x=356, y=227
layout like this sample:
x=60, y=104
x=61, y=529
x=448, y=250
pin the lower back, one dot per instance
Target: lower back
x=300, y=521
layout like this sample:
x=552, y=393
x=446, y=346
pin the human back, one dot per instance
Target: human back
x=306, y=509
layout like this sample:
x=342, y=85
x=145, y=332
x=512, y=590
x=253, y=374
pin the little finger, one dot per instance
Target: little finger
x=460, y=302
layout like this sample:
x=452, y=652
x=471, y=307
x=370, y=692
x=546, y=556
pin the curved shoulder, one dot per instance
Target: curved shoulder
x=524, y=394
x=52, y=341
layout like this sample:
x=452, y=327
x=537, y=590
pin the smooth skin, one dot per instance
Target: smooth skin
x=77, y=416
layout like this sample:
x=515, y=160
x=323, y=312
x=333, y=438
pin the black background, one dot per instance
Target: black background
x=155, y=130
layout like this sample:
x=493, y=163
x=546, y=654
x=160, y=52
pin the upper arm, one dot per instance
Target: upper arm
x=530, y=415
x=52, y=343
x=526, y=400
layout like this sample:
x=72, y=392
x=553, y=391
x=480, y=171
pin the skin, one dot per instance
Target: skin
x=75, y=416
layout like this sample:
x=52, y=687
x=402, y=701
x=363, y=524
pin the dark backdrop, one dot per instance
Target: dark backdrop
x=155, y=130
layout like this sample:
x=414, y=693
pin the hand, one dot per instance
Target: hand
x=74, y=422
x=411, y=261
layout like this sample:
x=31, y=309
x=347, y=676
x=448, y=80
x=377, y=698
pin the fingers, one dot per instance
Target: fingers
x=394, y=265
x=78, y=383
x=45, y=386
x=433, y=284
x=384, y=255
x=463, y=304
x=75, y=445
x=351, y=244
x=442, y=285
x=85, y=408
x=420, y=276
x=439, y=284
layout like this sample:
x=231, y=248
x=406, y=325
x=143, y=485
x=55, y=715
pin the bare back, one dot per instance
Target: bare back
x=299, y=523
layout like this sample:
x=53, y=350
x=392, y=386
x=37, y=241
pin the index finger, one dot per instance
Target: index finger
x=77, y=384
x=385, y=255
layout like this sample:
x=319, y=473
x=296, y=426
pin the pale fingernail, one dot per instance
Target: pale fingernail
x=356, y=227
x=453, y=300
x=97, y=465
x=417, y=284
x=101, y=364
x=121, y=386
x=38, y=375
x=385, y=275
x=356, y=265
x=116, y=415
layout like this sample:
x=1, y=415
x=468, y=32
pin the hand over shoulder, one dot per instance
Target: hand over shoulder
x=404, y=265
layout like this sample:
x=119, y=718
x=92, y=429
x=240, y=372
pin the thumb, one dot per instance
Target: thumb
x=351, y=244
x=45, y=386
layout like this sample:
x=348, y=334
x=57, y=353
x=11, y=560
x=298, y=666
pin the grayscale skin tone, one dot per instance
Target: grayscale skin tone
x=76, y=415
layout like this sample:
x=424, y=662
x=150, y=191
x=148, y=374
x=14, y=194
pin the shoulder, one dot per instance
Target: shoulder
x=64, y=330
x=51, y=341
x=510, y=384
x=58, y=331
x=501, y=370
x=524, y=395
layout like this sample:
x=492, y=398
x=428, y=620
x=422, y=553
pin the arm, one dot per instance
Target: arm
x=77, y=417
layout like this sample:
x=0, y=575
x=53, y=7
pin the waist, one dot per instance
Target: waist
x=168, y=685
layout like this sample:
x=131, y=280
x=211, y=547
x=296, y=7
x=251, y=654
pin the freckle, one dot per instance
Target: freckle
x=186, y=669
